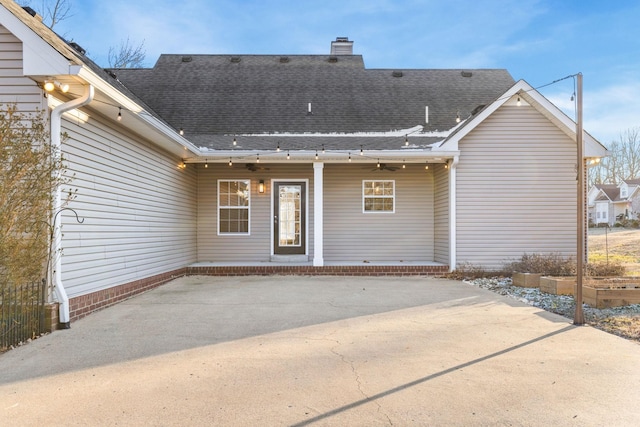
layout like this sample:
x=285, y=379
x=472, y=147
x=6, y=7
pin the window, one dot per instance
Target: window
x=623, y=192
x=233, y=206
x=378, y=196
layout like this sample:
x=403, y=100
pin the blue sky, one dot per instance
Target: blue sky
x=536, y=40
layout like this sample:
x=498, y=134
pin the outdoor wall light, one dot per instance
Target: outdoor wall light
x=261, y=186
x=51, y=85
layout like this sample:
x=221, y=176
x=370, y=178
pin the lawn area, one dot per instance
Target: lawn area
x=616, y=245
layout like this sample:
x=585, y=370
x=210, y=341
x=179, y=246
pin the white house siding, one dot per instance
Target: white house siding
x=516, y=189
x=14, y=87
x=138, y=209
x=353, y=236
x=441, y=214
x=255, y=247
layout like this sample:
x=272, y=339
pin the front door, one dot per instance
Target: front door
x=289, y=210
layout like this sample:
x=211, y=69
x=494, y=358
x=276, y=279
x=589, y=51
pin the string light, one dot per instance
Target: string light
x=206, y=165
x=181, y=131
x=426, y=167
x=288, y=156
x=278, y=149
x=518, y=102
x=403, y=165
x=322, y=148
x=349, y=157
x=119, y=118
x=235, y=141
x=230, y=162
x=361, y=151
x=458, y=117
x=257, y=158
x=406, y=140
x=316, y=154
x=378, y=165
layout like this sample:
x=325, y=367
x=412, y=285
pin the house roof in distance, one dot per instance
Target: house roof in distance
x=214, y=95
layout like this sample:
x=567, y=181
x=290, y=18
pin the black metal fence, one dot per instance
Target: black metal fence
x=22, y=314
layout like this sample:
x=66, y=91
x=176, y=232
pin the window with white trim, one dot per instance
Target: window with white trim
x=233, y=206
x=378, y=196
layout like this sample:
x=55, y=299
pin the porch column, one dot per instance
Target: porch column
x=453, y=167
x=318, y=214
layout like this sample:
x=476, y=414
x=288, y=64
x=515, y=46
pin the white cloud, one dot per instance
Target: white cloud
x=607, y=111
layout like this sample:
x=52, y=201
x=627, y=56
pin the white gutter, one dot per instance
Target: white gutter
x=453, y=248
x=56, y=143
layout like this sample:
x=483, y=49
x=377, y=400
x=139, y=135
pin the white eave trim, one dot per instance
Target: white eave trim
x=182, y=145
x=593, y=148
x=39, y=57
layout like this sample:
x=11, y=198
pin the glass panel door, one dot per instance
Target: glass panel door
x=289, y=218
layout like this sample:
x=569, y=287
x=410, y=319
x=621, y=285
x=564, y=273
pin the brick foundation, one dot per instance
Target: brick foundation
x=84, y=305
x=302, y=270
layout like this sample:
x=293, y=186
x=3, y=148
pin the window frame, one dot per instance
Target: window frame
x=247, y=207
x=392, y=196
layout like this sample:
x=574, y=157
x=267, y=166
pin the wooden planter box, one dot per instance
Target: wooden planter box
x=526, y=280
x=611, y=292
x=558, y=285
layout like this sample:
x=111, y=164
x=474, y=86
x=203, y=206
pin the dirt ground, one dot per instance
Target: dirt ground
x=617, y=245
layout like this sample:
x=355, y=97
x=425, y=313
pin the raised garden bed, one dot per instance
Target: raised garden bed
x=526, y=280
x=558, y=285
x=611, y=292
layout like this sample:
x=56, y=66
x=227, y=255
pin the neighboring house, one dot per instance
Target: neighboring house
x=609, y=203
x=300, y=164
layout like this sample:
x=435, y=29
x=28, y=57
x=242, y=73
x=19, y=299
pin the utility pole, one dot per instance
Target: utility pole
x=579, y=315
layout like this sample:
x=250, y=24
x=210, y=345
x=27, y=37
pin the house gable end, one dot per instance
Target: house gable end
x=523, y=92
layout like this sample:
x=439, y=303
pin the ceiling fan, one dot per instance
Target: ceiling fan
x=384, y=166
x=253, y=167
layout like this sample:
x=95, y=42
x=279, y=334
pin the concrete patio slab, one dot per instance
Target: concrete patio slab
x=291, y=350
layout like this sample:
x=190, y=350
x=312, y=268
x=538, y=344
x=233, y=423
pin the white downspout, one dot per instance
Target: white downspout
x=453, y=248
x=56, y=143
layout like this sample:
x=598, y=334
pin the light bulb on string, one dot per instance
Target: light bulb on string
x=119, y=118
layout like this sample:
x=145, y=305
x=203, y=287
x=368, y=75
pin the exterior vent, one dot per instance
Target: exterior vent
x=187, y=59
x=333, y=59
x=284, y=59
x=235, y=59
x=477, y=109
x=466, y=74
x=397, y=74
x=30, y=11
x=77, y=48
x=342, y=46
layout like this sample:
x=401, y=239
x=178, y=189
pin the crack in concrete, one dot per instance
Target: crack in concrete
x=356, y=375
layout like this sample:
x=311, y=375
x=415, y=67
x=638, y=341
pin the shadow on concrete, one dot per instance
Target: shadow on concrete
x=198, y=311
x=427, y=378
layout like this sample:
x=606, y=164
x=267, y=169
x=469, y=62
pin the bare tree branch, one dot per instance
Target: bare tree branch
x=127, y=55
x=52, y=11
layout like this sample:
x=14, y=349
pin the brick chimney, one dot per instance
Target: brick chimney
x=342, y=46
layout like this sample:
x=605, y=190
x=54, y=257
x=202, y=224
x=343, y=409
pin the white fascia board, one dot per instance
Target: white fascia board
x=593, y=148
x=139, y=112
x=39, y=57
x=330, y=156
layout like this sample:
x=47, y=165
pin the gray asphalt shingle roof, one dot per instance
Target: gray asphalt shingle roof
x=214, y=96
